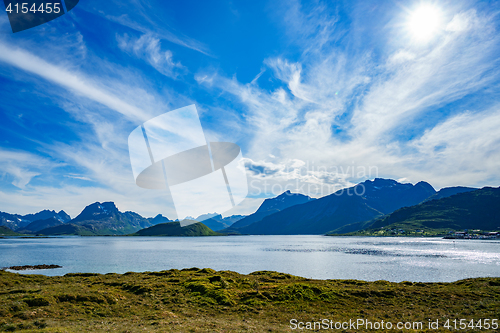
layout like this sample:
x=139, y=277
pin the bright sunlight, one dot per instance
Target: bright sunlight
x=424, y=22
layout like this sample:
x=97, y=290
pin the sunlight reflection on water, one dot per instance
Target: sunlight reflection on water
x=320, y=257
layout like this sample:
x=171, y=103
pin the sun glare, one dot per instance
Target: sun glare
x=424, y=22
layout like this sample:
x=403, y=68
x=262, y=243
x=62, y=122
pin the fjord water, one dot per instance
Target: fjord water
x=319, y=257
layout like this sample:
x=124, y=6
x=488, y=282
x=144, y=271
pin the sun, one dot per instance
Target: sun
x=424, y=22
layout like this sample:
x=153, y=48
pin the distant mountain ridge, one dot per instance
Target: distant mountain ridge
x=270, y=206
x=105, y=219
x=47, y=214
x=363, y=202
x=12, y=221
x=16, y=221
x=97, y=211
x=218, y=222
x=283, y=201
x=449, y=191
x=38, y=225
x=158, y=219
x=95, y=219
x=203, y=217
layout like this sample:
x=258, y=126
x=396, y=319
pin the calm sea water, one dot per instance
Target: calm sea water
x=319, y=257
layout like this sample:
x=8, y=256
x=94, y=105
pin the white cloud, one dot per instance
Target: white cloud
x=159, y=30
x=148, y=47
x=400, y=57
x=310, y=25
x=463, y=149
x=462, y=21
x=246, y=207
x=268, y=178
x=22, y=166
x=76, y=83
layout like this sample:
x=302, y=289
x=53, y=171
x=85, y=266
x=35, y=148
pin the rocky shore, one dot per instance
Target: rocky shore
x=30, y=267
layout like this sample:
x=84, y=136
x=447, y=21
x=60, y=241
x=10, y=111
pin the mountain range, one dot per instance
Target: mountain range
x=38, y=225
x=374, y=203
x=268, y=207
x=477, y=209
x=101, y=219
x=106, y=219
x=363, y=202
x=218, y=222
x=16, y=221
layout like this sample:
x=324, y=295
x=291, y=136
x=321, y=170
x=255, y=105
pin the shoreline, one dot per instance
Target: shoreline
x=18, y=271
x=31, y=267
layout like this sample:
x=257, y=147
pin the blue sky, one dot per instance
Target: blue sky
x=319, y=95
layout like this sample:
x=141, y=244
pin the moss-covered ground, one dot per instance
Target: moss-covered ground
x=203, y=300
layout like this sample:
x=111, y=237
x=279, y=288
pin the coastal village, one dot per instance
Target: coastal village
x=472, y=234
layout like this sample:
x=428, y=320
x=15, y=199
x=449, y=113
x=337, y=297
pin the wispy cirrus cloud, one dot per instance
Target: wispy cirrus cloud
x=77, y=84
x=149, y=48
x=148, y=18
x=159, y=32
x=21, y=166
x=275, y=177
x=466, y=143
x=339, y=106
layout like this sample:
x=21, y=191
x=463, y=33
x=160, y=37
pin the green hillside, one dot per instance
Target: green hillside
x=4, y=231
x=175, y=229
x=470, y=210
x=66, y=229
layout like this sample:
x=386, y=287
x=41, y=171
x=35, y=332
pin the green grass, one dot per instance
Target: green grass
x=203, y=300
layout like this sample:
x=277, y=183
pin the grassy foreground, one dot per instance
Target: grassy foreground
x=203, y=300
